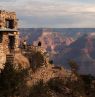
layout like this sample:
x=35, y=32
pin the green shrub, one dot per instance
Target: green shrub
x=67, y=88
x=11, y=81
x=51, y=61
x=40, y=90
x=37, y=60
x=56, y=85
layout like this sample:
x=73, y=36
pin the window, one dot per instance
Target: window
x=9, y=24
x=1, y=37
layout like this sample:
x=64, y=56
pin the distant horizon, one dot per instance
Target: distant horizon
x=52, y=13
x=53, y=28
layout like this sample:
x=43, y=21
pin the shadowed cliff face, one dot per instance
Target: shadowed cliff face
x=30, y=34
x=82, y=51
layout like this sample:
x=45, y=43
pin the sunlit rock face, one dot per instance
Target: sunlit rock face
x=20, y=61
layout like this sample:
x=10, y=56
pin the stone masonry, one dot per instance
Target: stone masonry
x=9, y=35
x=4, y=16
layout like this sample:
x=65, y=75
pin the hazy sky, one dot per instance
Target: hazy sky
x=52, y=13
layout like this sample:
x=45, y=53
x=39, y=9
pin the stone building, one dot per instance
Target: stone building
x=9, y=35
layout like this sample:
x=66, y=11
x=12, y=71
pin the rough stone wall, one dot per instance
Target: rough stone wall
x=4, y=15
x=5, y=42
x=7, y=15
x=16, y=40
x=2, y=57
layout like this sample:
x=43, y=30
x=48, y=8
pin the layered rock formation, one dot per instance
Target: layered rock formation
x=82, y=51
x=54, y=41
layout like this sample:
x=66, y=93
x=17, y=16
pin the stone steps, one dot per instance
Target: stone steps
x=10, y=58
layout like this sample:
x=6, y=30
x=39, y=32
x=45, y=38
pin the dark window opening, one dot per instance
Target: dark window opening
x=11, y=42
x=9, y=24
x=1, y=37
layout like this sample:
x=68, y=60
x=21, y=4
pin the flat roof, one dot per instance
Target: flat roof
x=10, y=30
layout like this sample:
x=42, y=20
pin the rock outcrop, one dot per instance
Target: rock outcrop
x=47, y=73
x=20, y=61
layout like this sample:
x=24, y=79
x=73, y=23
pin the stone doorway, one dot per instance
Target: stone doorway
x=11, y=43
